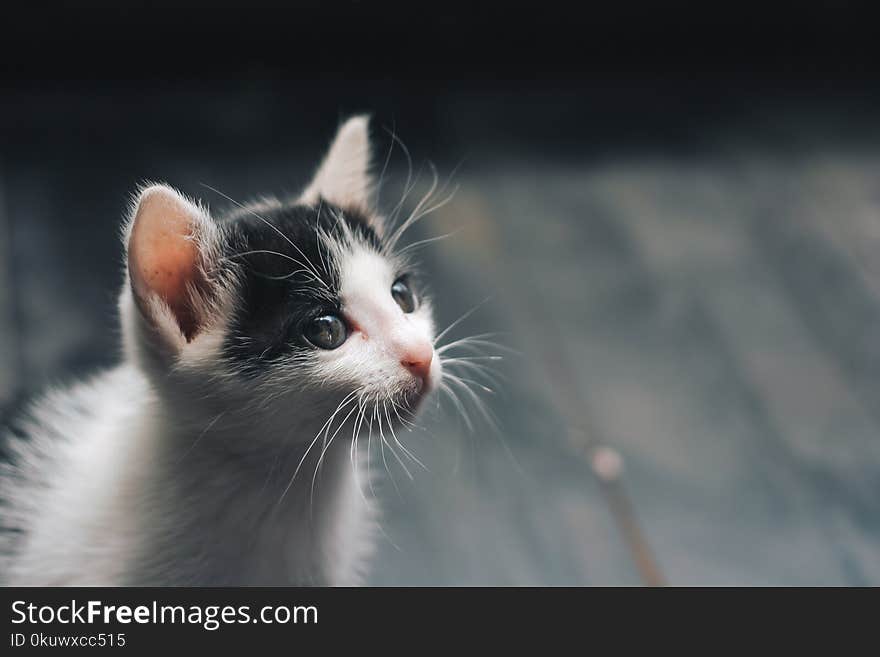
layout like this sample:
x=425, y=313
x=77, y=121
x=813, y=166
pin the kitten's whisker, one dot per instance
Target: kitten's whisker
x=399, y=460
x=477, y=336
x=370, y=454
x=475, y=342
x=409, y=162
x=200, y=436
x=415, y=217
x=412, y=426
x=425, y=212
x=390, y=446
x=342, y=225
x=324, y=452
x=420, y=211
x=446, y=387
x=319, y=236
x=311, y=276
x=459, y=320
x=325, y=428
x=399, y=444
x=274, y=253
x=411, y=220
x=471, y=381
x=382, y=174
x=474, y=365
x=493, y=422
x=435, y=179
x=477, y=369
x=353, y=453
x=369, y=476
x=479, y=403
x=382, y=444
x=270, y=225
x=346, y=400
x=395, y=213
x=455, y=359
x=401, y=406
x=408, y=423
x=424, y=242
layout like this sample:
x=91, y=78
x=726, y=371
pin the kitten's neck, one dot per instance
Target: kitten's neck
x=266, y=499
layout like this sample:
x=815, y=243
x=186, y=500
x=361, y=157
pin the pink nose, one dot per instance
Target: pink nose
x=418, y=359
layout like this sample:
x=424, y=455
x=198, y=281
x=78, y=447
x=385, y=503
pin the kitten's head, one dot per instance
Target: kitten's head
x=281, y=306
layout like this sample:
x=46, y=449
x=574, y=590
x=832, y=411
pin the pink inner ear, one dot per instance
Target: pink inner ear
x=162, y=257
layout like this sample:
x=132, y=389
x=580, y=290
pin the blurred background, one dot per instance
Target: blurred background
x=674, y=213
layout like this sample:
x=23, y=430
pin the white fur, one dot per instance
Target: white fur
x=100, y=490
x=70, y=483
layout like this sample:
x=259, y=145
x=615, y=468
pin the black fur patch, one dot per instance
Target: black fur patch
x=279, y=293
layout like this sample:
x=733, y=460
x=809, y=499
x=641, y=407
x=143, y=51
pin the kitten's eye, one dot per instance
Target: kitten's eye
x=326, y=332
x=403, y=295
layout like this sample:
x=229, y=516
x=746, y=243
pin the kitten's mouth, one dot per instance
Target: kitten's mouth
x=400, y=406
x=412, y=398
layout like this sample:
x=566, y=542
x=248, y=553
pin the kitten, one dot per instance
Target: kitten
x=221, y=451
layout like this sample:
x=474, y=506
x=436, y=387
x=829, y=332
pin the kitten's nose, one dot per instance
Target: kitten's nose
x=417, y=359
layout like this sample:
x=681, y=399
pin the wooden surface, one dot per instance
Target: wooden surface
x=720, y=320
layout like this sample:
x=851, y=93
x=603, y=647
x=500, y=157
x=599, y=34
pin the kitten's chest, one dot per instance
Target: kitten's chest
x=242, y=530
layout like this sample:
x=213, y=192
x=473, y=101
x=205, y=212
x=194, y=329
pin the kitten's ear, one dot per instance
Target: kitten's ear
x=171, y=245
x=344, y=176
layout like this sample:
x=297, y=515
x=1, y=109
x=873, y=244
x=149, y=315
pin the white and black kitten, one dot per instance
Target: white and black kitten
x=221, y=451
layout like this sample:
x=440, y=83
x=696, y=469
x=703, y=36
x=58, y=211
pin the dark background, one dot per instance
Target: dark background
x=674, y=208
